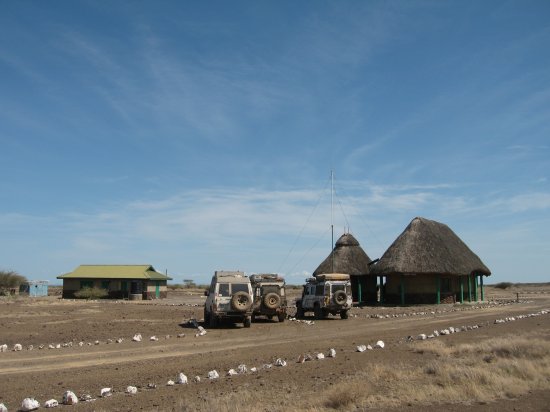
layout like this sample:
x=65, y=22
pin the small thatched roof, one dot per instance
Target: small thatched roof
x=429, y=247
x=346, y=257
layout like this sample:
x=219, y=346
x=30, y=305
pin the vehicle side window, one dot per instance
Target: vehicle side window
x=319, y=290
x=223, y=289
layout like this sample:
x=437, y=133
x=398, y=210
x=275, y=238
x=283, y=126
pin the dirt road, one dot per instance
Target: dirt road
x=100, y=362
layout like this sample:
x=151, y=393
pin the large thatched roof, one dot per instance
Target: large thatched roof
x=346, y=257
x=429, y=247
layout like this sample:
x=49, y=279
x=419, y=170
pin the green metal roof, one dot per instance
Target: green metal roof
x=143, y=272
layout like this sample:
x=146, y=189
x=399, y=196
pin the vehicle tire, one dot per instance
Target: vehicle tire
x=317, y=311
x=281, y=317
x=241, y=302
x=272, y=300
x=247, y=321
x=344, y=314
x=340, y=297
x=299, y=311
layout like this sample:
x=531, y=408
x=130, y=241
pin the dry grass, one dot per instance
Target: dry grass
x=496, y=369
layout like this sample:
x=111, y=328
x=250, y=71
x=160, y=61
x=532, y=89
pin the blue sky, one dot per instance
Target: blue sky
x=198, y=136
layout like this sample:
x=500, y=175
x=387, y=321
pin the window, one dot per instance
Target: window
x=223, y=289
x=239, y=287
x=86, y=284
x=319, y=290
x=105, y=284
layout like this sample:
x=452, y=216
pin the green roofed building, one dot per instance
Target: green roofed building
x=134, y=282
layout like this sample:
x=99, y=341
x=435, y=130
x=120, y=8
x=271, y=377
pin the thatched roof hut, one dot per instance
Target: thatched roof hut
x=346, y=257
x=429, y=247
x=349, y=257
x=429, y=263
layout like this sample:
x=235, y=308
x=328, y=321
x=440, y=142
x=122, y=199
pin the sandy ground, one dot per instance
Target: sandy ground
x=101, y=362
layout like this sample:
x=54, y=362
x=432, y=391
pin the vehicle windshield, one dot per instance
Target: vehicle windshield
x=239, y=287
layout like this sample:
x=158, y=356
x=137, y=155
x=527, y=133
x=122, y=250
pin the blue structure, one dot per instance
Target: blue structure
x=35, y=288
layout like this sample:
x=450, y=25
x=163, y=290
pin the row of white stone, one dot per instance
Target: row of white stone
x=69, y=398
x=136, y=338
x=450, y=330
x=440, y=311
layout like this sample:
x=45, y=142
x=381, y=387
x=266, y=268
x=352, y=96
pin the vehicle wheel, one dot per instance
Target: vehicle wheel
x=281, y=317
x=299, y=311
x=340, y=297
x=213, y=321
x=317, y=311
x=241, y=302
x=272, y=300
x=344, y=314
x=247, y=321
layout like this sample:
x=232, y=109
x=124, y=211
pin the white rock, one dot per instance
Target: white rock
x=452, y=330
x=361, y=348
x=254, y=369
x=96, y=342
x=119, y=340
x=444, y=332
x=201, y=331
x=132, y=390
x=431, y=336
x=52, y=403
x=213, y=374
x=106, y=392
x=30, y=347
x=29, y=404
x=58, y=346
x=422, y=336
x=379, y=344
x=153, y=339
x=369, y=347
x=182, y=379
x=17, y=347
x=170, y=383
x=242, y=369
x=3, y=348
x=3, y=408
x=137, y=337
x=280, y=362
x=231, y=372
x=80, y=344
x=69, y=398
x=197, y=379
x=332, y=353
x=436, y=333
x=320, y=356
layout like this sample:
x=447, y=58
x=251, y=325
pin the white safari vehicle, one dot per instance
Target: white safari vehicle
x=269, y=296
x=229, y=297
x=326, y=294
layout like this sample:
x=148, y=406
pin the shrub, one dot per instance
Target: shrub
x=504, y=285
x=91, y=293
x=10, y=280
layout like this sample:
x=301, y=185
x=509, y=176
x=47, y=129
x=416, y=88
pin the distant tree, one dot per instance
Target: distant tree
x=10, y=279
x=504, y=285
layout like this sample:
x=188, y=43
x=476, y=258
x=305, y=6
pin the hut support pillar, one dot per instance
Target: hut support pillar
x=461, y=289
x=438, y=281
x=469, y=288
x=402, y=289
x=381, y=289
x=359, y=292
x=481, y=287
x=475, y=287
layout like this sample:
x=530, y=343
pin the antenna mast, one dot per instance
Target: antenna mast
x=332, y=218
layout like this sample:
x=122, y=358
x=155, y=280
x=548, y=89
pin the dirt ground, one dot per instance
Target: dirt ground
x=102, y=362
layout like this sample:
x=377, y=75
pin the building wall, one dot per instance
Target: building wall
x=115, y=287
x=423, y=288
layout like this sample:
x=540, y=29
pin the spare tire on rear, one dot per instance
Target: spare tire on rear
x=272, y=300
x=241, y=302
x=340, y=297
